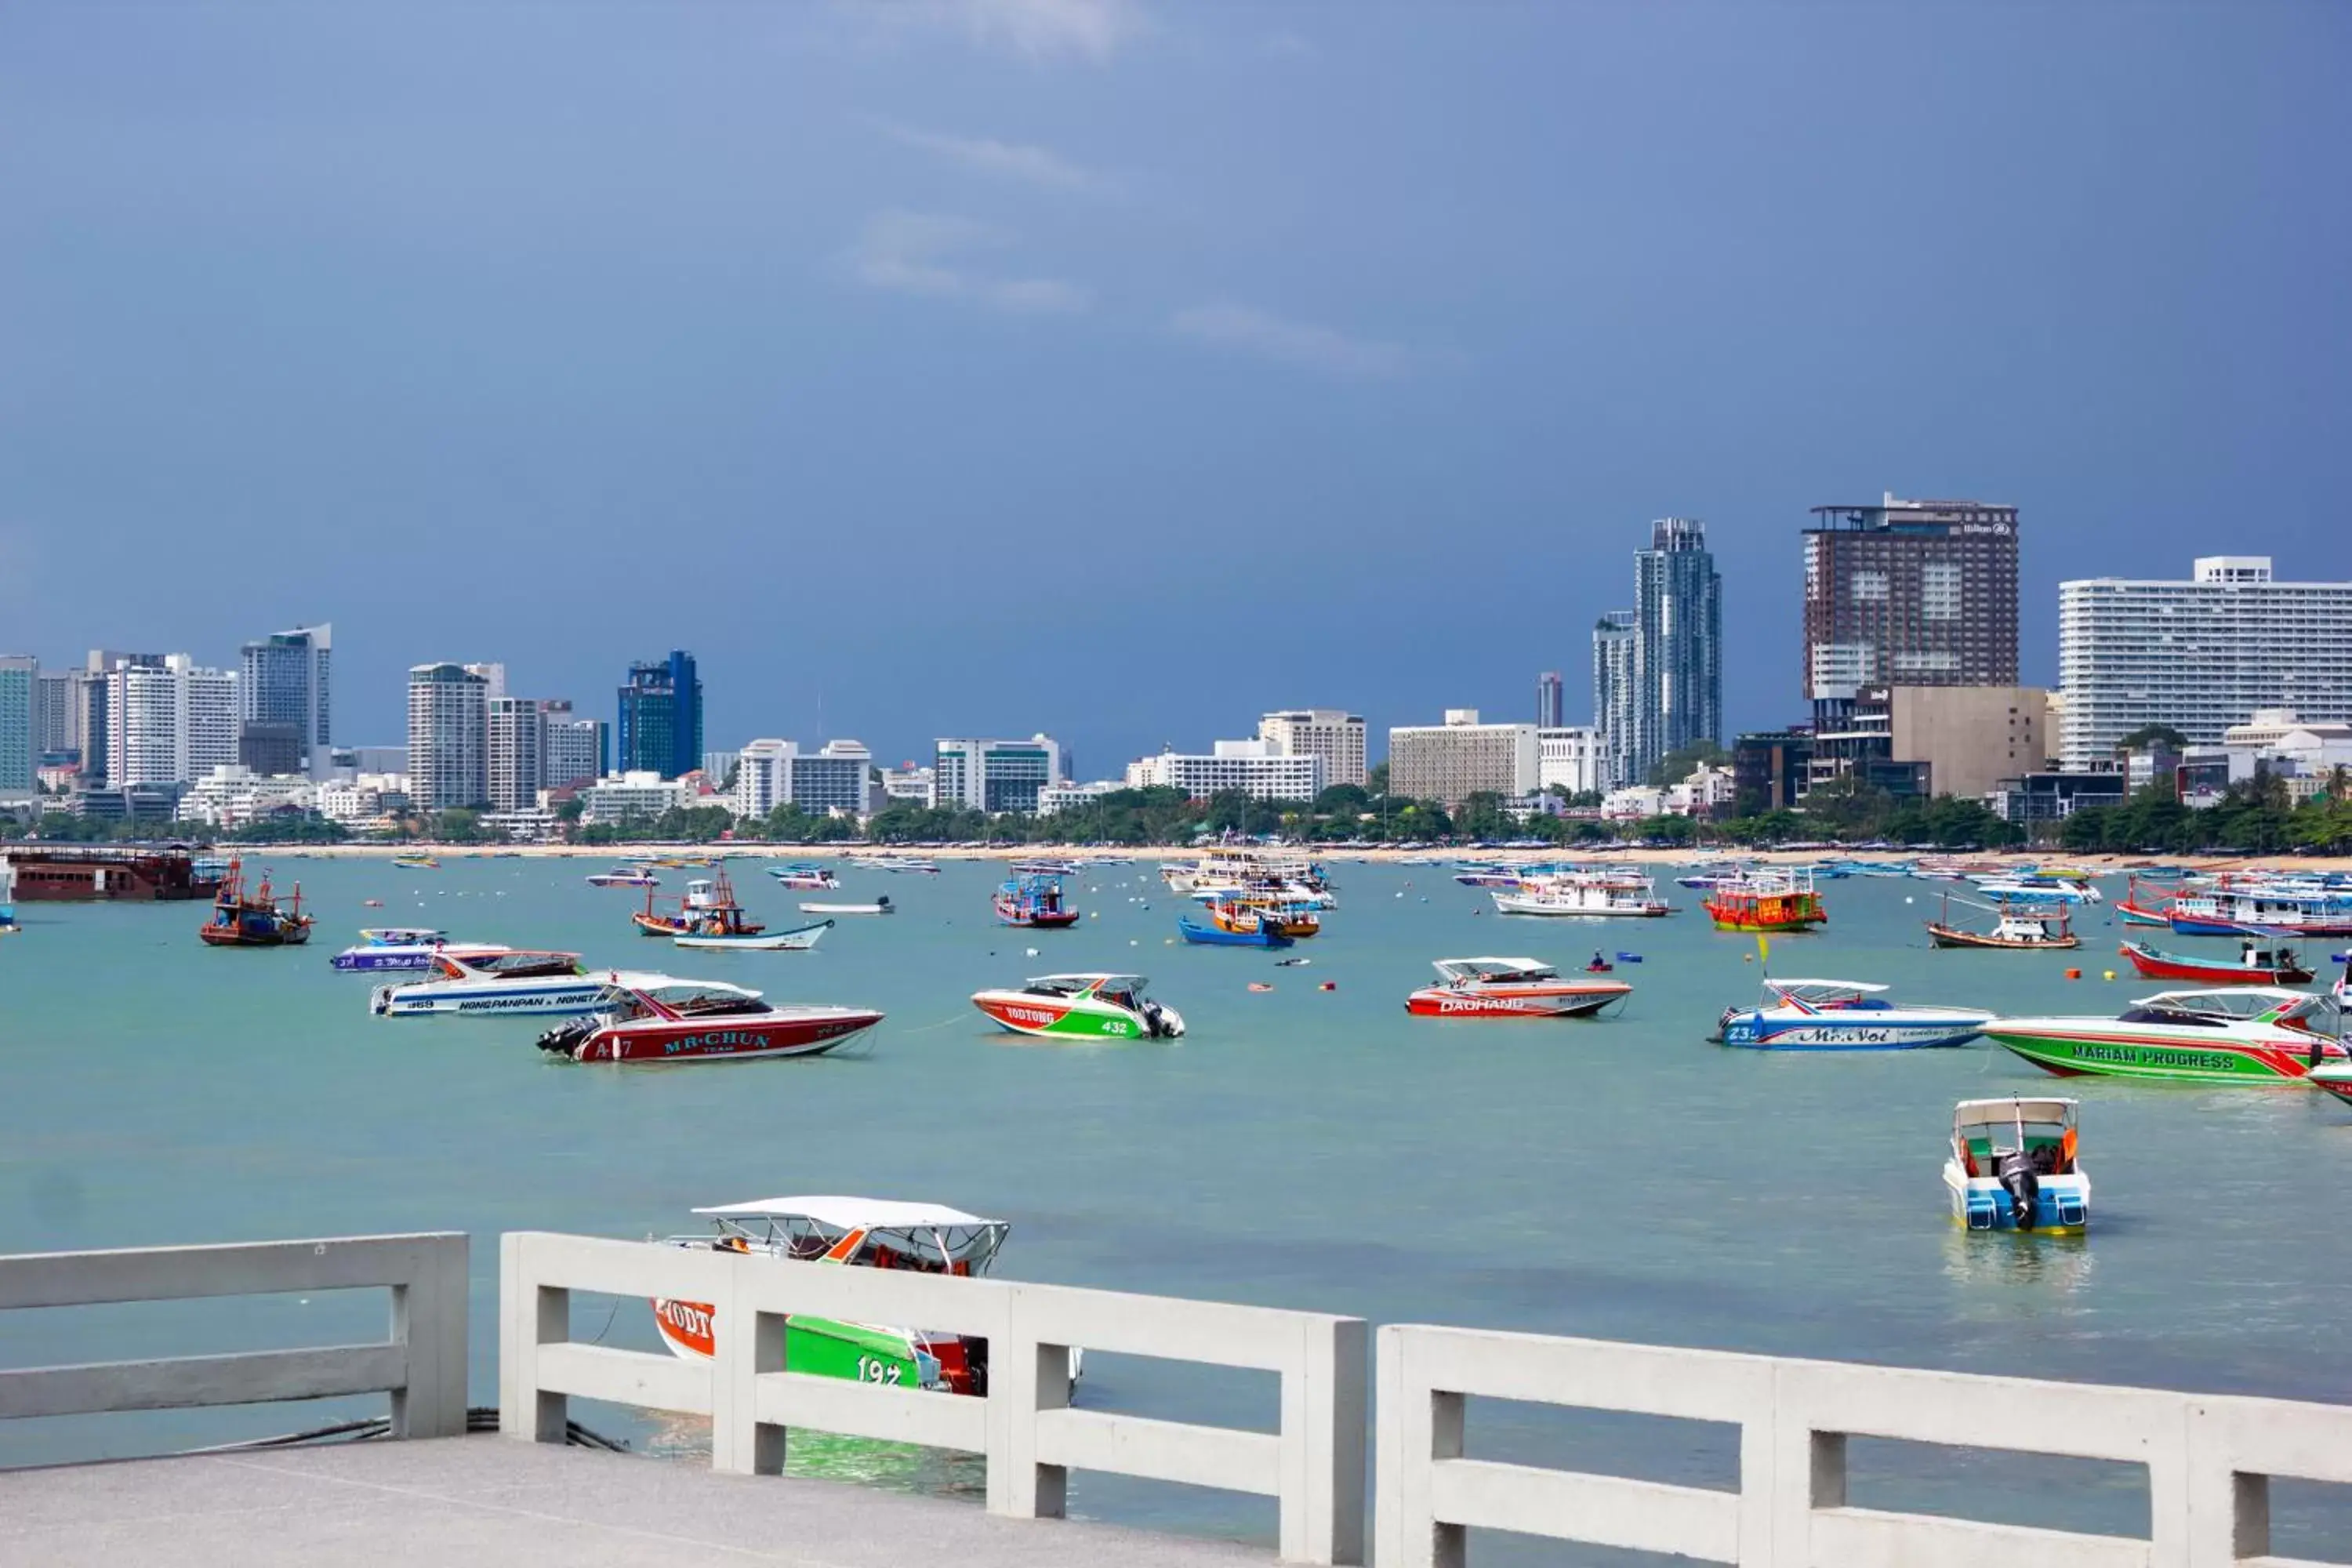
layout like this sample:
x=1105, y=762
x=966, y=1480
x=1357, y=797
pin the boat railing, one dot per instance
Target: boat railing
x=2208, y=1459
x=1313, y=1464
x=421, y=1363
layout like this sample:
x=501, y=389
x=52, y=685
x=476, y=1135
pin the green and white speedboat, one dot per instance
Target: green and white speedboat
x=1082, y=1007
x=870, y=1233
x=2261, y=1037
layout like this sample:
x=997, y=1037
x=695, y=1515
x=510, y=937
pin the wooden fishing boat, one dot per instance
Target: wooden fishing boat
x=2041, y=928
x=254, y=920
x=2256, y=964
x=1035, y=901
x=709, y=909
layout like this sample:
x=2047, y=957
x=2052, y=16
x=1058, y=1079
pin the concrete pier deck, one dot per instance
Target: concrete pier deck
x=489, y=1500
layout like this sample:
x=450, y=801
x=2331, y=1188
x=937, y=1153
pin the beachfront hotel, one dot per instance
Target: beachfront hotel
x=1334, y=734
x=1259, y=769
x=1908, y=593
x=1450, y=763
x=2197, y=656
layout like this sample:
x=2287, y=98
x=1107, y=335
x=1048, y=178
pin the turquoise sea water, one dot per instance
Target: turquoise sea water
x=1620, y=1178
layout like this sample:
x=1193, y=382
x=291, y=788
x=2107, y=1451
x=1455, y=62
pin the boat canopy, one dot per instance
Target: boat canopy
x=649, y=983
x=839, y=1213
x=401, y=936
x=1495, y=969
x=2238, y=1001
x=1825, y=987
x=1067, y=985
x=2009, y=1112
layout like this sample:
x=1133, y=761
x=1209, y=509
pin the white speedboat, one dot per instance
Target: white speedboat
x=881, y=906
x=1845, y=1015
x=407, y=949
x=491, y=984
x=2012, y=1166
x=1514, y=988
x=624, y=876
x=806, y=878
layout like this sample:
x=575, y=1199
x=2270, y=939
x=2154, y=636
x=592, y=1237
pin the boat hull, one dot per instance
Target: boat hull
x=2062, y=1204
x=1211, y=936
x=2335, y=1078
x=1954, y=936
x=1757, y=1030
x=799, y=941
x=2153, y=1054
x=540, y=999
x=1510, y=904
x=827, y=1347
x=1768, y=915
x=2159, y=965
x=1059, y=1017
x=813, y=1032
x=382, y=960
x=1568, y=1001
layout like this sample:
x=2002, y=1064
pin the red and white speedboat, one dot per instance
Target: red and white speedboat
x=661, y=1018
x=1512, y=988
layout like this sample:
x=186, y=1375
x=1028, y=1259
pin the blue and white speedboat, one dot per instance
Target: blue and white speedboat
x=2013, y=1166
x=1845, y=1015
x=404, y=948
x=495, y=983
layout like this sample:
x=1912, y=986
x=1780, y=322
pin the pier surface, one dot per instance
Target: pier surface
x=491, y=1499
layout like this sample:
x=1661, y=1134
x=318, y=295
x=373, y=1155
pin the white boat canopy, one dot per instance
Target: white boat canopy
x=642, y=980
x=2004, y=1112
x=2229, y=999
x=838, y=1212
x=1080, y=981
x=1863, y=986
x=1477, y=966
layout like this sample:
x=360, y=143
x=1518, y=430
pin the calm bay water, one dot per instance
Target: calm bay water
x=1300, y=1148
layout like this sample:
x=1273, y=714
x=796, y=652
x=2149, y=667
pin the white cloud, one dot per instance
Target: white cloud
x=1037, y=30
x=1301, y=343
x=1004, y=160
x=926, y=253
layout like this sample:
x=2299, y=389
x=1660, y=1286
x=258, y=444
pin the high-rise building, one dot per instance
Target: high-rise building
x=58, y=712
x=20, y=693
x=1333, y=734
x=1615, y=661
x=1572, y=757
x=1550, y=714
x=287, y=680
x=97, y=723
x=169, y=725
x=1908, y=593
x=1451, y=761
x=836, y=777
x=2197, y=655
x=517, y=731
x=996, y=775
x=661, y=717
x=1678, y=647
x=448, y=737
x=576, y=749
x=266, y=748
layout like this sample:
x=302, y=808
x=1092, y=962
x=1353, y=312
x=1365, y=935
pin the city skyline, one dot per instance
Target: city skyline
x=1419, y=298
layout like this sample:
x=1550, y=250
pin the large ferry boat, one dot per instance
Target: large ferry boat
x=60, y=873
x=1586, y=893
x=2263, y=909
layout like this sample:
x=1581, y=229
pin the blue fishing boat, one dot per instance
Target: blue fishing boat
x=1260, y=933
x=1035, y=901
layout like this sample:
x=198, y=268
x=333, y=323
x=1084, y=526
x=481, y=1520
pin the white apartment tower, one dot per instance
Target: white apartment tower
x=1572, y=756
x=2198, y=656
x=1331, y=733
x=448, y=737
x=1451, y=761
x=1616, y=694
x=518, y=752
x=169, y=725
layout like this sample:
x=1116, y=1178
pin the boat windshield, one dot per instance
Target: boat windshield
x=966, y=1247
x=1816, y=994
x=514, y=965
x=1494, y=971
x=2218, y=1007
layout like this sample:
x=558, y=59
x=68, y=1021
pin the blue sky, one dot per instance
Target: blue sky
x=1123, y=368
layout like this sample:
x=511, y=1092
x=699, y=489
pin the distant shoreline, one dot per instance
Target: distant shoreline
x=1660, y=855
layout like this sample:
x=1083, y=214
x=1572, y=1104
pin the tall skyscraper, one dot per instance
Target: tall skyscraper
x=97, y=721
x=2197, y=656
x=576, y=749
x=448, y=737
x=169, y=725
x=58, y=710
x=20, y=692
x=518, y=751
x=1549, y=692
x=661, y=717
x=287, y=681
x=1679, y=648
x=1333, y=734
x=1908, y=593
x=1615, y=643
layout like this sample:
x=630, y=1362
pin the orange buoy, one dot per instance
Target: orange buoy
x=2074, y=974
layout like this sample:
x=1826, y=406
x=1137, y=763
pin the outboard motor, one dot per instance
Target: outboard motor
x=2017, y=1178
x=563, y=1038
x=1152, y=1024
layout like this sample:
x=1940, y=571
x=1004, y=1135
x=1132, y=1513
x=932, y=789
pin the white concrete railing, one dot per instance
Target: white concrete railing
x=2209, y=1459
x=1314, y=1465
x=422, y=1365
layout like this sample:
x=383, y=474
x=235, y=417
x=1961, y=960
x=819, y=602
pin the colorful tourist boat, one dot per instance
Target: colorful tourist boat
x=1845, y=1015
x=1082, y=1007
x=1768, y=900
x=868, y=1233
x=1246, y=931
x=2256, y=964
x=624, y=876
x=800, y=939
x=708, y=909
x=1512, y=988
x=2012, y=1166
x=255, y=919
x=1035, y=901
x=806, y=878
x=404, y=948
x=414, y=863
x=2039, y=927
x=519, y=982
x=2256, y=1035
x=2263, y=910
x=1584, y=894
x=1243, y=912
x=662, y=1019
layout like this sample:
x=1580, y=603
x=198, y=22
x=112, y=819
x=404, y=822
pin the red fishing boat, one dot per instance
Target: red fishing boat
x=709, y=909
x=2256, y=964
x=661, y=1018
x=240, y=918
